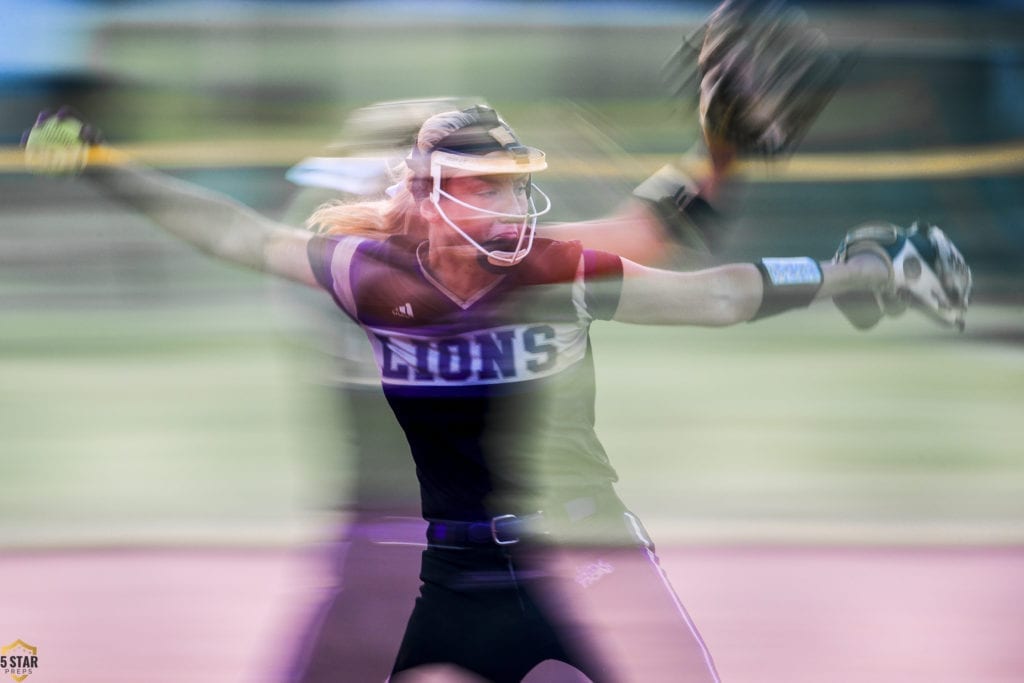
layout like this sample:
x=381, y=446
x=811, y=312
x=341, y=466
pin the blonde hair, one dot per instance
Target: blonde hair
x=400, y=214
x=380, y=219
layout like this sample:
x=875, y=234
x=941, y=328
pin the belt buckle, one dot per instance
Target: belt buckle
x=494, y=530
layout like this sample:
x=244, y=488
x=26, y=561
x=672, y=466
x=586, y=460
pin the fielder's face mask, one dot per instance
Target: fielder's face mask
x=463, y=143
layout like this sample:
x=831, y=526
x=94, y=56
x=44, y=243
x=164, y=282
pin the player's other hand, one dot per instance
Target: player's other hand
x=926, y=272
x=58, y=143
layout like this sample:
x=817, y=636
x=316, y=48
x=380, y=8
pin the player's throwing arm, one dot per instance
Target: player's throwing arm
x=879, y=268
x=62, y=144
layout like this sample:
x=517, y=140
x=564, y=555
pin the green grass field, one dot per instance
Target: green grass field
x=205, y=424
x=147, y=395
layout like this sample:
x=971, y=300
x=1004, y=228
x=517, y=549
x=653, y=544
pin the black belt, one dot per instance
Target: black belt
x=501, y=530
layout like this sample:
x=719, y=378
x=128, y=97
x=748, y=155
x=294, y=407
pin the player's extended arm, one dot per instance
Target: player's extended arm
x=673, y=216
x=61, y=144
x=763, y=74
x=739, y=292
x=212, y=222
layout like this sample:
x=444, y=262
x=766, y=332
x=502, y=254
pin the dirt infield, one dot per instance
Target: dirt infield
x=793, y=614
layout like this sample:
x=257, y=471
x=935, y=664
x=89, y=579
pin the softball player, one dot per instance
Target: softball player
x=480, y=332
x=357, y=627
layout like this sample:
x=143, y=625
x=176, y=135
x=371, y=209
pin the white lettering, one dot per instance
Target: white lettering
x=506, y=354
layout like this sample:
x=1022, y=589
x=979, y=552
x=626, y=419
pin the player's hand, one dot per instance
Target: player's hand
x=58, y=143
x=926, y=272
x=764, y=76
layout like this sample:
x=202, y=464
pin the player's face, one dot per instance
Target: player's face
x=505, y=194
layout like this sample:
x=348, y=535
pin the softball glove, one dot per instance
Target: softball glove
x=765, y=75
x=926, y=272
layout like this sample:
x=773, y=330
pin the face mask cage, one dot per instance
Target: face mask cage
x=527, y=221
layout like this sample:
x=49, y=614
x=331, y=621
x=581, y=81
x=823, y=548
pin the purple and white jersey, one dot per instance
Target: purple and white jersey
x=495, y=393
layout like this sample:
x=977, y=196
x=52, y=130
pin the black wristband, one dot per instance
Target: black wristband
x=788, y=283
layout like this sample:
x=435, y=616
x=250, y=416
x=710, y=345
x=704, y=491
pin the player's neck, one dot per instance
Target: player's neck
x=458, y=268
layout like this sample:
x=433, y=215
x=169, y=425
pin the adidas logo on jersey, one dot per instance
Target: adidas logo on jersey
x=403, y=311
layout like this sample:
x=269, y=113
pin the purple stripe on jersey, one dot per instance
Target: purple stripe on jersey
x=320, y=251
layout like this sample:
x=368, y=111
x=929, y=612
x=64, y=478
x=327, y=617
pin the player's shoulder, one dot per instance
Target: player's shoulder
x=400, y=247
x=366, y=259
x=560, y=261
x=551, y=261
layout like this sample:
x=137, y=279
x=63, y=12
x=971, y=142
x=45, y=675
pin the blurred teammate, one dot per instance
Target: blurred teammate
x=357, y=625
